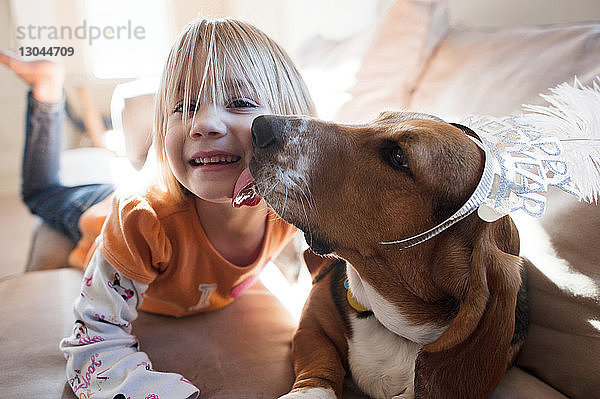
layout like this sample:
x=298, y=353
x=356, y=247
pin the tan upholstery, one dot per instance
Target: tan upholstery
x=493, y=72
x=518, y=384
x=418, y=63
x=405, y=40
x=563, y=344
x=35, y=312
x=240, y=351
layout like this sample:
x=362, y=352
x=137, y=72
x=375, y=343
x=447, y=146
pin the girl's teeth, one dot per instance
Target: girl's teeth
x=216, y=159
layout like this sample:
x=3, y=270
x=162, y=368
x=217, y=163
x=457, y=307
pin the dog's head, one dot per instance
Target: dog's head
x=352, y=187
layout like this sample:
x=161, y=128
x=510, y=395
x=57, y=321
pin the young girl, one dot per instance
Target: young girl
x=181, y=248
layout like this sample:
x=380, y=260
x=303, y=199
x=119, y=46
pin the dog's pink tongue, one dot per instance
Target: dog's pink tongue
x=244, y=192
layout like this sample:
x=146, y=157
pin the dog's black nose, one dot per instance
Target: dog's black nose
x=267, y=131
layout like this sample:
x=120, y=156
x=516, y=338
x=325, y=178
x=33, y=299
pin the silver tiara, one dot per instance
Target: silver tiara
x=554, y=145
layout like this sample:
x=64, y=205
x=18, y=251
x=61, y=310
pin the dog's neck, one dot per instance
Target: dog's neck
x=426, y=282
x=388, y=314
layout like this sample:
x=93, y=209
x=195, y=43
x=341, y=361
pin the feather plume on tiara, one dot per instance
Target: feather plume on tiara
x=554, y=145
x=574, y=118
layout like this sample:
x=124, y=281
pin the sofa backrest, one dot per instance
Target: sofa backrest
x=418, y=61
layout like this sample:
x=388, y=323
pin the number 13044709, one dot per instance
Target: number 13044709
x=53, y=51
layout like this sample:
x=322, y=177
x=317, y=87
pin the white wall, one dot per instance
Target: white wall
x=289, y=22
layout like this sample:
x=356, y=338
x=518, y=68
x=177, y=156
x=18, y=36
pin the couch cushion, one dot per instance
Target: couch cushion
x=242, y=350
x=493, y=72
x=405, y=38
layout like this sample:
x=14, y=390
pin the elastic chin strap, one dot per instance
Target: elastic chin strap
x=473, y=203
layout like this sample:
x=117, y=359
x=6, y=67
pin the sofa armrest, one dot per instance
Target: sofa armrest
x=49, y=248
x=36, y=313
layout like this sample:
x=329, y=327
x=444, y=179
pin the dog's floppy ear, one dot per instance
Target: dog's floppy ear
x=470, y=357
x=315, y=262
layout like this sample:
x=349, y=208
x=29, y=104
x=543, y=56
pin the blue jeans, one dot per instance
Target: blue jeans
x=59, y=206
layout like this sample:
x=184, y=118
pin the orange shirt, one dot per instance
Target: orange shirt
x=155, y=241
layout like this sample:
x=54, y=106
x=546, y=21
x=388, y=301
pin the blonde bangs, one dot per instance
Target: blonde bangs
x=217, y=61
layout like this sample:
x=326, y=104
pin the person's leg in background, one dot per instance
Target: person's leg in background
x=58, y=205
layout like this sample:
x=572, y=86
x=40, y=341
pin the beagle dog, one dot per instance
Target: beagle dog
x=441, y=319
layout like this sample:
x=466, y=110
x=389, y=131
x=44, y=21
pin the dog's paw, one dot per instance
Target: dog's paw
x=311, y=393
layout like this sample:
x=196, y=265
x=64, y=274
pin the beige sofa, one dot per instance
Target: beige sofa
x=415, y=61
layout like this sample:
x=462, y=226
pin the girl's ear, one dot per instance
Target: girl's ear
x=471, y=356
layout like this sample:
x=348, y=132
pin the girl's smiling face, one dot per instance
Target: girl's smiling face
x=219, y=75
x=209, y=145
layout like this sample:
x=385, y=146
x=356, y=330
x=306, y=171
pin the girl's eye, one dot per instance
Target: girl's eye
x=242, y=103
x=191, y=108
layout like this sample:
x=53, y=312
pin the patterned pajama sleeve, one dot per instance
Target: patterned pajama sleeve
x=103, y=360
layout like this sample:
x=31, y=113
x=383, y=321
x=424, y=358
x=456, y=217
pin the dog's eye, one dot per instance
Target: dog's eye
x=394, y=155
x=398, y=158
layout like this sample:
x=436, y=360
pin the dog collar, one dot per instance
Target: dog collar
x=354, y=304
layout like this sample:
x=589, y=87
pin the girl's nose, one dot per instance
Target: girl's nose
x=208, y=123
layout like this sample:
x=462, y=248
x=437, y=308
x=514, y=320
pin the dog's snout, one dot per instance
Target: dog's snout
x=267, y=132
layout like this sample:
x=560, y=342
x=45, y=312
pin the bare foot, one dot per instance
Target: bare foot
x=46, y=78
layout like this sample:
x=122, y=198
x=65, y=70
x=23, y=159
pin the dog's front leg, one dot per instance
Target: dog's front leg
x=319, y=347
x=317, y=365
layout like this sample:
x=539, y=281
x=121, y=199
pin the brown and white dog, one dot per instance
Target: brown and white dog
x=436, y=320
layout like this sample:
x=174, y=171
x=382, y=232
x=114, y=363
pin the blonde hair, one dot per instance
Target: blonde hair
x=213, y=61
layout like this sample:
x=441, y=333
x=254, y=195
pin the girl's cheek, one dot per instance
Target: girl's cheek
x=174, y=139
x=175, y=129
x=174, y=121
